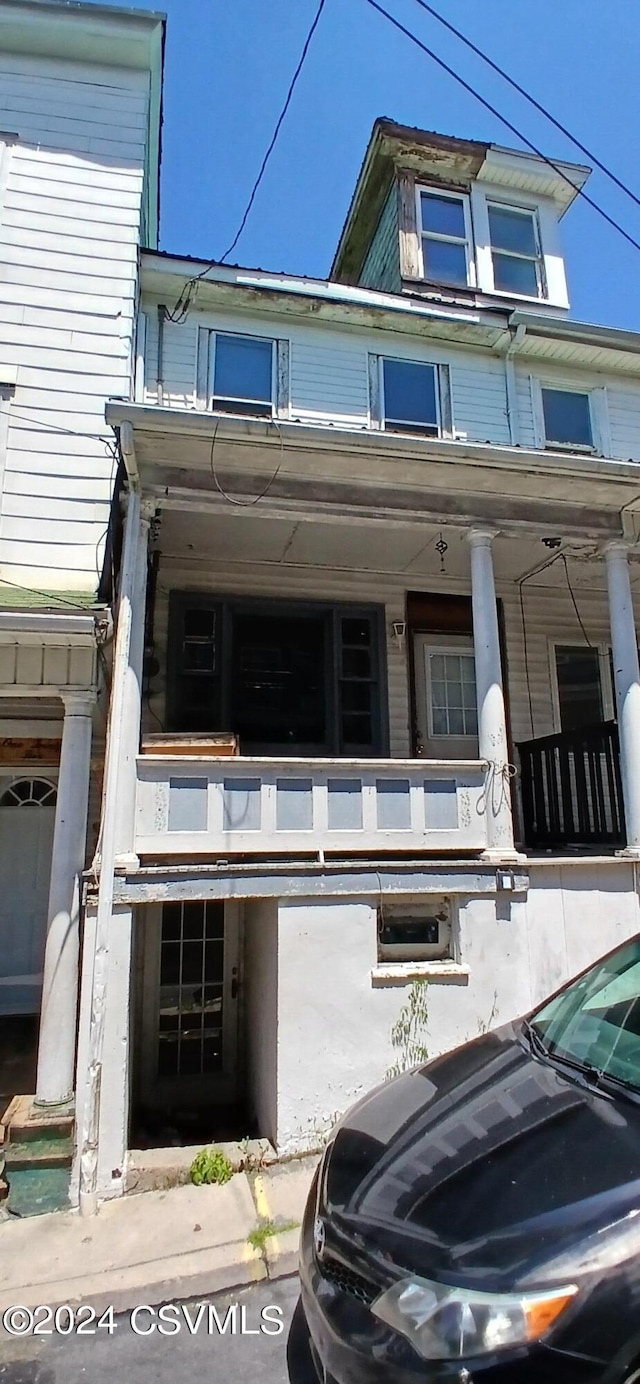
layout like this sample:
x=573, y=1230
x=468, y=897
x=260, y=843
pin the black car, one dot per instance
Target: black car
x=478, y=1218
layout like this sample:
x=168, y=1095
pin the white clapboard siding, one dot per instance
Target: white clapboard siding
x=179, y=362
x=624, y=421
x=329, y=379
x=69, y=229
x=526, y=432
x=479, y=399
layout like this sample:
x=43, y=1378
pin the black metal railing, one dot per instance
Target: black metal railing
x=571, y=788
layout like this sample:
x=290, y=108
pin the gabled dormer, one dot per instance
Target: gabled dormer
x=457, y=220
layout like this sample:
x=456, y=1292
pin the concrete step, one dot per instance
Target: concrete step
x=22, y=1122
x=38, y=1153
x=37, y=1191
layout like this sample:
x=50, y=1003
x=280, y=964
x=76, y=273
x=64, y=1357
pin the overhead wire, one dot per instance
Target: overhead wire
x=522, y=91
x=503, y=120
x=179, y=312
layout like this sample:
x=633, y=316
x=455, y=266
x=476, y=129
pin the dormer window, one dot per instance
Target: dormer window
x=515, y=250
x=243, y=374
x=445, y=228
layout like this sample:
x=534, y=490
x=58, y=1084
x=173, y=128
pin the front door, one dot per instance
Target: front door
x=190, y=1005
x=27, y=820
x=445, y=696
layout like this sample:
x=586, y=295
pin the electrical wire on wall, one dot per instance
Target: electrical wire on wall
x=231, y=499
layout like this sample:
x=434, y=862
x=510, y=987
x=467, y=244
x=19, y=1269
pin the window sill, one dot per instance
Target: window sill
x=404, y=972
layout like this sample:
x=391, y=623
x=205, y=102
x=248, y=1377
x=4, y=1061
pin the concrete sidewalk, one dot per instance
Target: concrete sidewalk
x=157, y=1246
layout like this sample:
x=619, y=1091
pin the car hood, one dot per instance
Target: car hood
x=487, y=1163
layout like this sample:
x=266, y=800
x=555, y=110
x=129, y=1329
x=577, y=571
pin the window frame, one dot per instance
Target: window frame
x=452, y=195
x=447, y=650
x=265, y=409
x=434, y=953
x=551, y=444
x=607, y=689
x=408, y=429
x=598, y=413
x=521, y=209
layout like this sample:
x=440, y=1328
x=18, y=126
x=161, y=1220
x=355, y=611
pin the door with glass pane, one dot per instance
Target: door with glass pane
x=190, y=1011
x=445, y=697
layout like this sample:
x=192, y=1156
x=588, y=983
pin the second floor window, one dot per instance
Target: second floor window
x=445, y=233
x=243, y=374
x=515, y=250
x=410, y=397
x=567, y=419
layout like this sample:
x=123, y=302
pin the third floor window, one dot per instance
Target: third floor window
x=515, y=250
x=446, y=238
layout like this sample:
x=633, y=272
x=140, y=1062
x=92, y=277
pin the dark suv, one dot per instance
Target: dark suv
x=479, y=1217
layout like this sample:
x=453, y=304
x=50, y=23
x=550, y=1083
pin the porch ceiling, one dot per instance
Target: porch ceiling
x=247, y=537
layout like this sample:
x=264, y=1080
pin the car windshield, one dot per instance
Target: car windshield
x=595, y=1021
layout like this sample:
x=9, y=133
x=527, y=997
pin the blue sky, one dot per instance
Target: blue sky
x=228, y=65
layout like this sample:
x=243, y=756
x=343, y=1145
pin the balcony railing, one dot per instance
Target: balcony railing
x=197, y=806
x=571, y=788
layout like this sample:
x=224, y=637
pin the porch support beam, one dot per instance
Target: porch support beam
x=492, y=726
x=57, y=1037
x=627, y=684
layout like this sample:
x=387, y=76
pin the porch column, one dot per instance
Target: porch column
x=57, y=1038
x=132, y=701
x=492, y=726
x=627, y=681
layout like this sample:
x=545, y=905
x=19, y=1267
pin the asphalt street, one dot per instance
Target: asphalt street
x=189, y=1344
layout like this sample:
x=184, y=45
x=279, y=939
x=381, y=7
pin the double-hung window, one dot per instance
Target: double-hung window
x=243, y=374
x=410, y=396
x=446, y=237
x=567, y=419
x=515, y=250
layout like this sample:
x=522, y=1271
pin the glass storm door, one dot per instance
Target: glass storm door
x=445, y=696
x=190, y=1018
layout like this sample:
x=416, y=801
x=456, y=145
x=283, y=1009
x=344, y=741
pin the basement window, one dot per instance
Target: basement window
x=567, y=419
x=415, y=930
x=243, y=375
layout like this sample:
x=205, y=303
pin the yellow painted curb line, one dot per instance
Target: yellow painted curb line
x=263, y=1208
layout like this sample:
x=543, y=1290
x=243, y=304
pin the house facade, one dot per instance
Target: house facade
x=80, y=106
x=375, y=701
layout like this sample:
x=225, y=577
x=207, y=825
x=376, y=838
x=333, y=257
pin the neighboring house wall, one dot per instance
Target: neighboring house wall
x=69, y=230
x=381, y=268
x=329, y=378
x=260, y=982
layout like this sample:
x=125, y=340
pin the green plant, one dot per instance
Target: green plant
x=410, y=1030
x=258, y=1237
x=210, y=1165
x=484, y=1025
x=252, y=1159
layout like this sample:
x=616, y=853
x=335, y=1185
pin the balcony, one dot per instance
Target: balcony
x=198, y=805
x=572, y=790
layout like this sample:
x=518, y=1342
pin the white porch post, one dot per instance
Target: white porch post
x=492, y=725
x=627, y=681
x=57, y=1038
x=132, y=703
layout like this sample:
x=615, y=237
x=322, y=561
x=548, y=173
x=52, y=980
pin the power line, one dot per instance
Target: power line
x=593, y=158
x=503, y=120
x=184, y=301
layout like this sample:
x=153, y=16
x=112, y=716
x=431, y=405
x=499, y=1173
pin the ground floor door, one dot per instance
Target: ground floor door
x=191, y=982
x=445, y=696
x=27, y=819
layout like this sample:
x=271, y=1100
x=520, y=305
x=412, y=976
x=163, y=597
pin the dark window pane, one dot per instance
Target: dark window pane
x=214, y=961
x=515, y=275
x=198, y=656
x=171, y=922
x=445, y=262
x=405, y=931
x=168, y=1022
x=191, y=963
x=579, y=687
x=567, y=417
x=444, y=215
x=243, y=368
x=356, y=696
x=410, y=393
x=279, y=691
x=167, y=1057
x=512, y=230
x=191, y=1055
x=170, y=963
x=357, y=730
x=356, y=663
x=212, y=1054
x=356, y=632
x=214, y=924
x=199, y=624
x=193, y=924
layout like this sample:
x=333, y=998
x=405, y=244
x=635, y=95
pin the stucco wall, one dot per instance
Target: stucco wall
x=334, y=1021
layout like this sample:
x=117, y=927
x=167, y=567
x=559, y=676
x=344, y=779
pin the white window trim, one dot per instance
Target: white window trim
x=607, y=690
x=469, y=251
x=598, y=410
x=442, y=376
x=533, y=210
x=446, y=650
x=404, y=954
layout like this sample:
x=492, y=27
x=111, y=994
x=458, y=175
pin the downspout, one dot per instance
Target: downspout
x=89, y=1134
x=517, y=335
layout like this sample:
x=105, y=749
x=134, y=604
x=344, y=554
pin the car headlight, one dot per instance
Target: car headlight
x=448, y=1323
